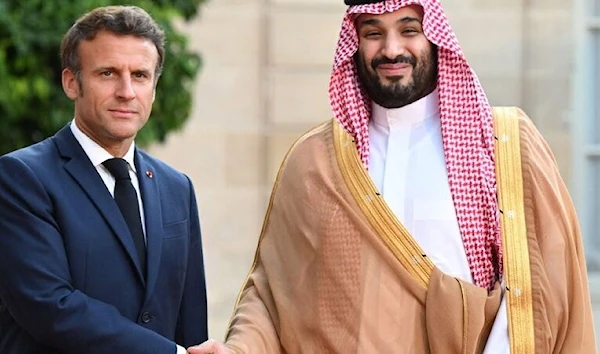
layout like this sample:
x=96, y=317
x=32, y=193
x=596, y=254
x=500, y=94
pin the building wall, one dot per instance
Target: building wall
x=264, y=83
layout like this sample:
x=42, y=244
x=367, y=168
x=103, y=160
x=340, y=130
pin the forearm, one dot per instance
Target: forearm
x=251, y=329
x=192, y=326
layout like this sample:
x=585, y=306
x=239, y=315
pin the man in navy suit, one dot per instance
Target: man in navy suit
x=100, y=248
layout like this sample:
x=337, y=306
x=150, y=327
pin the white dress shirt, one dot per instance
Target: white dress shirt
x=408, y=166
x=97, y=156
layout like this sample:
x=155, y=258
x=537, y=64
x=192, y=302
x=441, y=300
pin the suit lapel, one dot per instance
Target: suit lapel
x=80, y=168
x=148, y=179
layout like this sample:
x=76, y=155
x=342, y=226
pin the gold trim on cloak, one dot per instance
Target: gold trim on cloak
x=517, y=271
x=382, y=219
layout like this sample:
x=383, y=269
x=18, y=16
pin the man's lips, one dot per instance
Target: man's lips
x=122, y=112
x=396, y=69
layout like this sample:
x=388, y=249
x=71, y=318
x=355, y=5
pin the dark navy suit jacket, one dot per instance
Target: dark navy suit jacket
x=70, y=281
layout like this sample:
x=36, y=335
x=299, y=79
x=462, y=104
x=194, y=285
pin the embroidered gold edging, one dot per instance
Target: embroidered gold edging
x=267, y=214
x=465, y=316
x=385, y=223
x=514, y=233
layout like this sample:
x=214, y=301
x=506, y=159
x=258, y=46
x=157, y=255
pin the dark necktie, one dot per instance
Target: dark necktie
x=127, y=200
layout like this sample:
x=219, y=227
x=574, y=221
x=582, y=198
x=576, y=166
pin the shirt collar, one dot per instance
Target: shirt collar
x=95, y=152
x=409, y=115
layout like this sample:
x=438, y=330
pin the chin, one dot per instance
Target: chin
x=394, y=80
x=400, y=85
x=124, y=133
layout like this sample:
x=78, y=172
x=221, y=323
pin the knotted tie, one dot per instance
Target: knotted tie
x=127, y=200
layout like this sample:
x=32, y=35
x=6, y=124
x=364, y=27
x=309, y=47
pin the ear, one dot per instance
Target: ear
x=70, y=84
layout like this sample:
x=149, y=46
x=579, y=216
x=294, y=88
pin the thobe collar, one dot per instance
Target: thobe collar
x=409, y=115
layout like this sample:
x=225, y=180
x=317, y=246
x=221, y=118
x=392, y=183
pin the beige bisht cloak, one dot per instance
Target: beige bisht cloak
x=336, y=272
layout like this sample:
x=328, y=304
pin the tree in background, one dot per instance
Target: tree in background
x=33, y=105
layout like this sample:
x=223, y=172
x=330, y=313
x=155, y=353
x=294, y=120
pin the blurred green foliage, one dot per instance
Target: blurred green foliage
x=33, y=105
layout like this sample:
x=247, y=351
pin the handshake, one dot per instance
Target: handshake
x=211, y=346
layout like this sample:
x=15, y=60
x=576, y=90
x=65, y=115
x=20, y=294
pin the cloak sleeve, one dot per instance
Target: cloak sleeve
x=561, y=301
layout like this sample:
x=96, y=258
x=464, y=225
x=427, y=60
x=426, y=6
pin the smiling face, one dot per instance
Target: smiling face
x=396, y=63
x=115, y=90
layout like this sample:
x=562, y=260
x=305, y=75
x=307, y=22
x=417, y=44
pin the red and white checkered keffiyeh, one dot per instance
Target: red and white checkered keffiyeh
x=467, y=129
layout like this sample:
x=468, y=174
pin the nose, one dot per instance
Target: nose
x=125, y=90
x=394, y=46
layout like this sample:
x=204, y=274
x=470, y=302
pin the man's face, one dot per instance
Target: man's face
x=396, y=63
x=114, y=94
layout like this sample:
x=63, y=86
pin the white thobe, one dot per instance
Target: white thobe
x=408, y=166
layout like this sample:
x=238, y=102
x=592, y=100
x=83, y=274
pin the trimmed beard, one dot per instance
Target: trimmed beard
x=395, y=95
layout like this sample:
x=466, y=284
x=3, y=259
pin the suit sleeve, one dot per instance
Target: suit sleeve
x=192, y=324
x=35, y=281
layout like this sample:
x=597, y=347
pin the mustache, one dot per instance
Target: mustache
x=399, y=59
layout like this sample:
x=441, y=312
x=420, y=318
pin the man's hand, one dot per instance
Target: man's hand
x=211, y=346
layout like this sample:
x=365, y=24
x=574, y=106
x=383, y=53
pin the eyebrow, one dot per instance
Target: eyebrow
x=104, y=68
x=142, y=71
x=114, y=69
x=375, y=22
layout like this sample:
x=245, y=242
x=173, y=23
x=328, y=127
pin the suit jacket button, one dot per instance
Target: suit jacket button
x=146, y=317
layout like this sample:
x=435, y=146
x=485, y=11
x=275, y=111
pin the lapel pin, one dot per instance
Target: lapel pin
x=149, y=174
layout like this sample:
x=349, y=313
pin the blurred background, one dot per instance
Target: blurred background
x=262, y=81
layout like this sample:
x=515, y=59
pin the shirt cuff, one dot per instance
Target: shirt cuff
x=181, y=350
